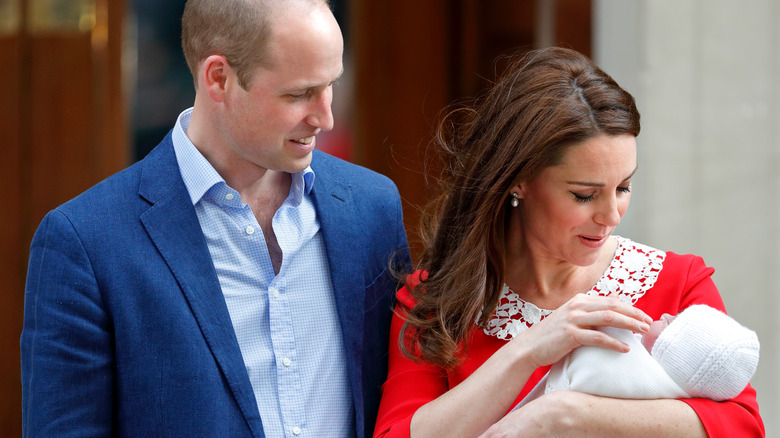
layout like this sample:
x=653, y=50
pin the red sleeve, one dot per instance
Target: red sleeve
x=685, y=280
x=409, y=385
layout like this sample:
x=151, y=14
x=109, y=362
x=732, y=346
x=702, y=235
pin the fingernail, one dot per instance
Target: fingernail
x=644, y=327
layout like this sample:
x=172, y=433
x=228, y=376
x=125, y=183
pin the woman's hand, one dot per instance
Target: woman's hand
x=574, y=323
x=548, y=416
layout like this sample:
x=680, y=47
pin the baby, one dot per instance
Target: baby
x=700, y=353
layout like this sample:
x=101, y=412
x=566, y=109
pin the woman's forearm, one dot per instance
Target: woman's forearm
x=571, y=413
x=479, y=401
x=640, y=418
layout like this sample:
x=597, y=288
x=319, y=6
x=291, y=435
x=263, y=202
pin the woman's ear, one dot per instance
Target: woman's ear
x=214, y=72
x=519, y=189
x=515, y=194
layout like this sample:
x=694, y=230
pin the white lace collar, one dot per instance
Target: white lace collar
x=633, y=271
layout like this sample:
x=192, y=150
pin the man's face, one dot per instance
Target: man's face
x=272, y=125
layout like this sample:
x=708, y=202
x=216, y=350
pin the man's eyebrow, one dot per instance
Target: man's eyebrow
x=595, y=184
x=308, y=86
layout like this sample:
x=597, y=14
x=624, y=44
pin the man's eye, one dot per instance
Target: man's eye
x=300, y=96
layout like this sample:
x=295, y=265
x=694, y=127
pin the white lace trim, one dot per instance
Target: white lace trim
x=633, y=272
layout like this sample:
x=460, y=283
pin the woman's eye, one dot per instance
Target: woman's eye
x=626, y=189
x=581, y=198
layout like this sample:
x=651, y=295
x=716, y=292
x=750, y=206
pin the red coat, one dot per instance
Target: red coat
x=683, y=281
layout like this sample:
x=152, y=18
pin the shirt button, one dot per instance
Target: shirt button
x=229, y=196
x=276, y=294
x=250, y=230
x=297, y=430
x=286, y=362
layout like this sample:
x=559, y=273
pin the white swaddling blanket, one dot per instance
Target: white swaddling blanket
x=608, y=373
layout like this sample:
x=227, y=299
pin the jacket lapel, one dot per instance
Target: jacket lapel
x=174, y=228
x=338, y=222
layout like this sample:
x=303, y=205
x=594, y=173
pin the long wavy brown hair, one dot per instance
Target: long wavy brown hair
x=546, y=101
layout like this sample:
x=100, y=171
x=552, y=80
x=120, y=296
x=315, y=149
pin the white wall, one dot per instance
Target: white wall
x=705, y=74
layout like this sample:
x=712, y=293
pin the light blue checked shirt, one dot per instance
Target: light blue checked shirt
x=287, y=324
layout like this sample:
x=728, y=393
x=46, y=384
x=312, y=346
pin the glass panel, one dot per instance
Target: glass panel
x=10, y=17
x=61, y=15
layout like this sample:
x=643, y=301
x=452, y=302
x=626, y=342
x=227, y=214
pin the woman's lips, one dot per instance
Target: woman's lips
x=593, y=241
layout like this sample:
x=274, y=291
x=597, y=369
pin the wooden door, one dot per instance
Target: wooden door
x=62, y=120
x=414, y=58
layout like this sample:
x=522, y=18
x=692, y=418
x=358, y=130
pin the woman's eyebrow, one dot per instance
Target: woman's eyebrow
x=598, y=184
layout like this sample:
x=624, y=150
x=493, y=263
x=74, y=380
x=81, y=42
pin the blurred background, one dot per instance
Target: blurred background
x=91, y=86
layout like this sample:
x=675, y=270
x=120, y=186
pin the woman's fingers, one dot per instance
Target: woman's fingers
x=609, y=318
x=598, y=338
x=576, y=323
x=590, y=311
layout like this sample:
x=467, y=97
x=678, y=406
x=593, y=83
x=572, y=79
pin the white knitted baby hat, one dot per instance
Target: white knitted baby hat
x=709, y=354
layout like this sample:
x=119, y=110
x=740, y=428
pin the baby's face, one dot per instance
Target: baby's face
x=648, y=339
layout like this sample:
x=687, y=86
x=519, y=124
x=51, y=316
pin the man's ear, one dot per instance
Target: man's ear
x=214, y=72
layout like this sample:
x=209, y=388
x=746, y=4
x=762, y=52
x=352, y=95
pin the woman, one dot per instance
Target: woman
x=538, y=176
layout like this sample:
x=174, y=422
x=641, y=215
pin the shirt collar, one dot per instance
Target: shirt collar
x=200, y=176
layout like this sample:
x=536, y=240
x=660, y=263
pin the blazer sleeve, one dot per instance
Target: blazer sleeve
x=66, y=343
x=685, y=280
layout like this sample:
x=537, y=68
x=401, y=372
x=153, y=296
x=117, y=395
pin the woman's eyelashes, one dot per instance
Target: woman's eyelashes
x=584, y=198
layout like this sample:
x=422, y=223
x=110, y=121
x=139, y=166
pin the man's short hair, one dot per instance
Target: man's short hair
x=239, y=30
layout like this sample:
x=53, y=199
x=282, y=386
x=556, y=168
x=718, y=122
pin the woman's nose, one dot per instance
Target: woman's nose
x=608, y=213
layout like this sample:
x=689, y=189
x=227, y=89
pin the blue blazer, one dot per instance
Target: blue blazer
x=126, y=331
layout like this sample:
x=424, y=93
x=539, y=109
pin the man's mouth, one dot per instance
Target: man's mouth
x=305, y=140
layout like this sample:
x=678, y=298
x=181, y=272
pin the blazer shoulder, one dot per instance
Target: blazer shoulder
x=348, y=173
x=116, y=193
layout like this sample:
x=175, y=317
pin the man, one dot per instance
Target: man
x=234, y=282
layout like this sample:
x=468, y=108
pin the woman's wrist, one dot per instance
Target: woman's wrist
x=521, y=356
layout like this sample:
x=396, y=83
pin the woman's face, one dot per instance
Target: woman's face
x=569, y=210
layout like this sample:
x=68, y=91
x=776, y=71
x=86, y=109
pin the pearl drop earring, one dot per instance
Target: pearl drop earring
x=514, y=202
